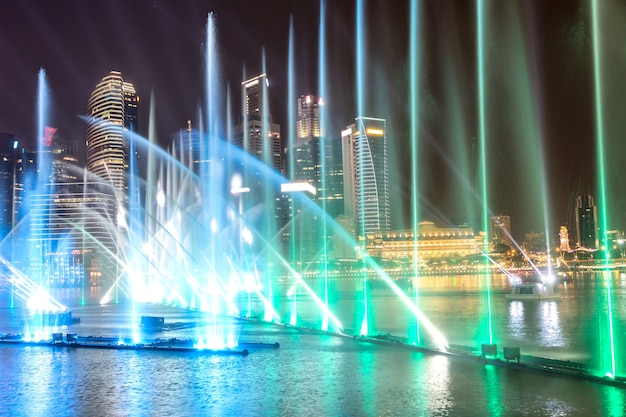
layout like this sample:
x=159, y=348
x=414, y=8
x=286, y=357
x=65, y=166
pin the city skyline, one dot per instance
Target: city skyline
x=556, y=35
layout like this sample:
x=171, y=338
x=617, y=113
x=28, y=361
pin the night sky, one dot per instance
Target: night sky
x=539, y=84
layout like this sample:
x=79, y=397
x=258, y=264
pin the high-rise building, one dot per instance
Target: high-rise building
x=256, y=134
x=255, y=96
x=500, y=230
x=70, y=227
x=260, y=138
x=7, y=178
x=309, y=124
x=112, y=111
x=587, y=222
x=366, y=174
x=315, y=159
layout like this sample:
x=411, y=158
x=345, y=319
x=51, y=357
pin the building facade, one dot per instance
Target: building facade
x=309, y=123
x=366, y=174
x=433, y=243
x=500, y=230
x=587, y=222
x=112, y=111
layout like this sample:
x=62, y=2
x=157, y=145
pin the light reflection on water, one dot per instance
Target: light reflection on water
x=312, y=374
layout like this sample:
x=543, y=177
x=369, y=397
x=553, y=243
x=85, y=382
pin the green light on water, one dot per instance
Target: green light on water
x=360, y=92
x=414, y=96
x=483, y=147
x=492, y=387
x=322, y=147
x=602, y=173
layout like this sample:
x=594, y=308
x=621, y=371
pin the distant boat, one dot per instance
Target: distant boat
x=533, y=291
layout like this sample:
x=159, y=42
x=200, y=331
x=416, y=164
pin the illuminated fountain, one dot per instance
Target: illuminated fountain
x=196, y=238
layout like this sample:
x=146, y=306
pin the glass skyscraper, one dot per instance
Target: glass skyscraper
x=366, y=174
x=112, y=110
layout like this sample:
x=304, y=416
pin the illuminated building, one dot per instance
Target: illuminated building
x=309, y=125
x=256, y=134
x=71, y=227
x=7, y=174
x=586, y=222
x=500, y=230
x=432, y=243
x=366, y=174
x=112, y=111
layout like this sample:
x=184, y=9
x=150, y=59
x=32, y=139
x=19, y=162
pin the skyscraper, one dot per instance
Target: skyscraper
x=255, y=96
x=112, y=110
x=500, y=230
x=587, y=222
x=256, y=134
x=7, y=179
x=309, y=125
x=366, y=174
x=315, y=159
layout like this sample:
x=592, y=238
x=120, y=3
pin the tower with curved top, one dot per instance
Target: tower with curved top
x=366, y=174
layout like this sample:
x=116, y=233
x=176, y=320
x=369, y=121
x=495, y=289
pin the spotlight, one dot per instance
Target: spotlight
x=511, y=353
x=489, y=350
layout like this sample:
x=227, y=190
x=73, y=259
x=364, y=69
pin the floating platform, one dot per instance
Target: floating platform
x=73, y=341
x=511, y=357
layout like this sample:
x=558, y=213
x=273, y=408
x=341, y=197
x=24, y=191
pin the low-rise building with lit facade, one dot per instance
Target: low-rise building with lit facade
x=433, y=243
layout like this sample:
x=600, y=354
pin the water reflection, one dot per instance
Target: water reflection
x=549, y=322
x=517, y=320
x=438, y=397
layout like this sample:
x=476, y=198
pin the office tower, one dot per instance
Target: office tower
x=316, y=160
x=62, y=155
x=309, y=124
x=255, y=96
x=327, y=174
x=256, y=134
x=112, y=111
x=500, y=230
x=586, y=222
x=366, y=174
x=8, y=146
x=74, y=238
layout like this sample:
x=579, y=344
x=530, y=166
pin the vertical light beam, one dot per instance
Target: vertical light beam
x=360, y=91
x=322, y=153
x=599, y=112
x=483, y=145
x=414, y=120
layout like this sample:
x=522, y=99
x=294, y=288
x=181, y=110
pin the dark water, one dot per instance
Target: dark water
x=313, y=374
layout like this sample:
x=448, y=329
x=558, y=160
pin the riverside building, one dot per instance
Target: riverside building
x=433, y=244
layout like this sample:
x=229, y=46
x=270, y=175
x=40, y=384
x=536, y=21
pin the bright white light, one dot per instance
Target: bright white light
x=297, y=186
x=252, y=83
x=213, y=225
x=236, y=181
x=240, y=190
x=160, y=198
x=247, y=235
x=374, y=132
